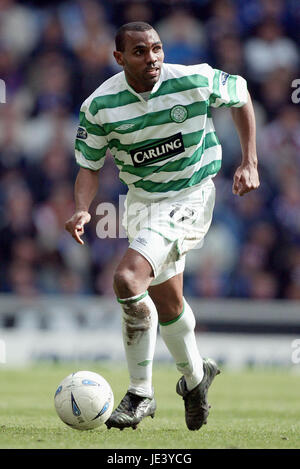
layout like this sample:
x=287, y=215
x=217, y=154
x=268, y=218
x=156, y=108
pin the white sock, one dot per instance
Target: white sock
x=179, y=337
x=139, y=336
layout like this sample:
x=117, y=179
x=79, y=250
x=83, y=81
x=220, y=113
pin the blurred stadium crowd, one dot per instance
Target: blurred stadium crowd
x=53, y=56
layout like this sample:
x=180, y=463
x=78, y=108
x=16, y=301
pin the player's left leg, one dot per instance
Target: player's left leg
x=177, y=330
x=177, y=324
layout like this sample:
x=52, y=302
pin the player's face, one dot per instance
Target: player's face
x=142, y=59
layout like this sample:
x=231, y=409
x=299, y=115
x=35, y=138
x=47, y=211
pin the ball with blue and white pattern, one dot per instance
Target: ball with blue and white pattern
x=84, y=400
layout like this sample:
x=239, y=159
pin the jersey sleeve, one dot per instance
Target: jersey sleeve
x=91, y=143
x=227, y=90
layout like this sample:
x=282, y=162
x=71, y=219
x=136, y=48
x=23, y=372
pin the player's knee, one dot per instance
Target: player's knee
x=125, y=283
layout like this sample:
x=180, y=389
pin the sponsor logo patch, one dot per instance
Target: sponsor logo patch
x=161, y=150
x=81, y=133
x=224, y=77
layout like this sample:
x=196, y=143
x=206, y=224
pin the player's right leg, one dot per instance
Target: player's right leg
x=139, y=328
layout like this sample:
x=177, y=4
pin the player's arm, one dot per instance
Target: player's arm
x=85, y=189
x=246, y=176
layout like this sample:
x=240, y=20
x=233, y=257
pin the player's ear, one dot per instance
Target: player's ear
x=119, y=57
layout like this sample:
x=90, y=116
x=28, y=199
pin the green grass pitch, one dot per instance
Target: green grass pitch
x=250, y=409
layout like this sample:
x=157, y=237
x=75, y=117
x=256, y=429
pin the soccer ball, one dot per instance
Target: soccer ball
x=84, y=400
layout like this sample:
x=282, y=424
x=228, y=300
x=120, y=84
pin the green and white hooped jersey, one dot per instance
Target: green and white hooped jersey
x=165, y=144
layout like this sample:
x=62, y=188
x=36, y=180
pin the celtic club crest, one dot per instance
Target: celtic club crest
x=179, y=113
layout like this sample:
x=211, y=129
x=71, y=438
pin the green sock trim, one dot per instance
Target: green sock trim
x=145, y=363
x=182, y=365
x=132, y=300
x=172, y=320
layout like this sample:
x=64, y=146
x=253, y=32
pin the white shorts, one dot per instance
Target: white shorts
x=163, y=232
x=160, y=253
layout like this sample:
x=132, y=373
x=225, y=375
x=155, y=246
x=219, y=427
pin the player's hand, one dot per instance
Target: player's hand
x=245, y=179
x=75, y=225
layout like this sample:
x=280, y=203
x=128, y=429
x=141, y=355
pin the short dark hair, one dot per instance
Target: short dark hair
x=134, y=26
